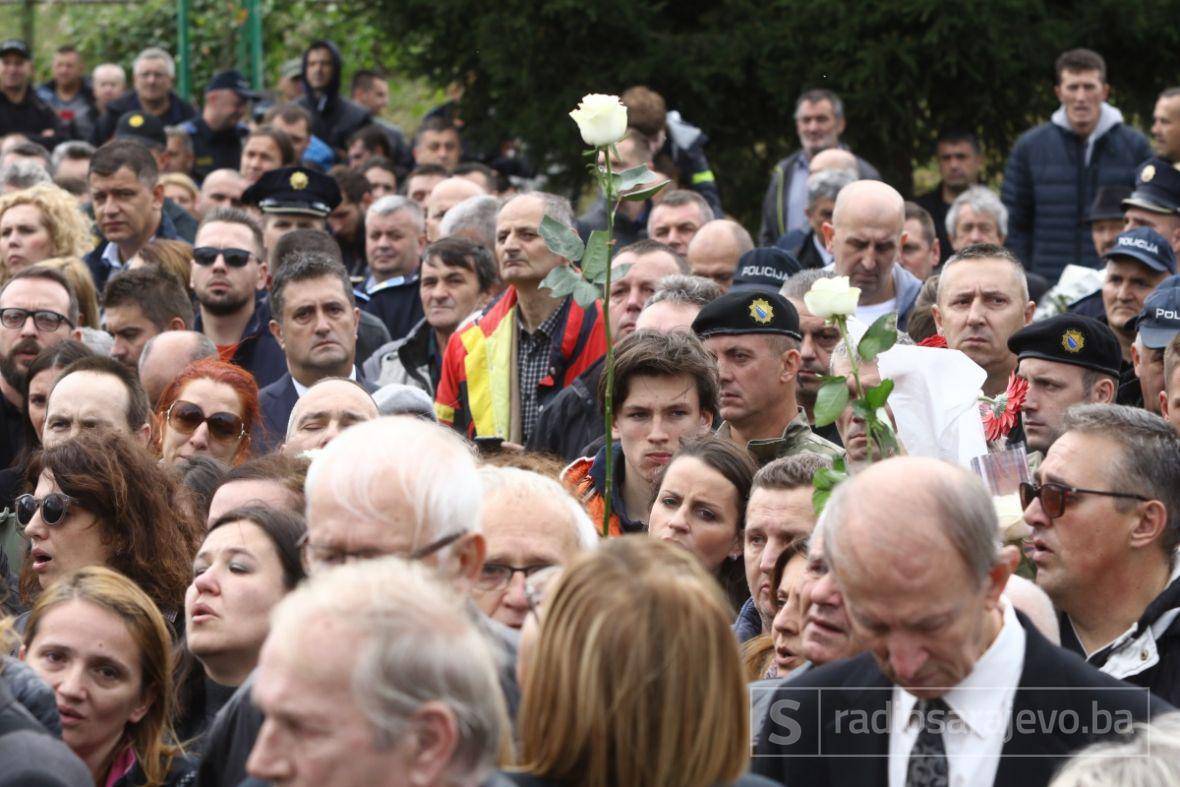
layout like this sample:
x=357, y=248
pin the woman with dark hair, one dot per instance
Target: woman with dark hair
x=101, y=644
x=210, y=409
x=700, y=504
x=776, y=653
x=199, y=476
x=100, y=499
x=250, y=559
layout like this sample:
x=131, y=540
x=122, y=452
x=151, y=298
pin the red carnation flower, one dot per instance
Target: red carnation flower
x=933, y=341
x=999, y=414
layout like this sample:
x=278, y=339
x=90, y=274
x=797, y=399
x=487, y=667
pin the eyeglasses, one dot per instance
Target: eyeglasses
x=43, y=319
x=55, y=506
x=330, y=556
x=234, y=258
x=497, y=576
x=1053, y=496
x=186, y=417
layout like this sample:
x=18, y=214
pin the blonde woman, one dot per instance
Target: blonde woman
x=181, y=189
x=635, y=677
x=39, y=223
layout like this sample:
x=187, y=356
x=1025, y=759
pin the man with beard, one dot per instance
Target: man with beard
x=229, y=280
x=754, y=336
x=38, y=309
x=334, y=117
x=815, y=352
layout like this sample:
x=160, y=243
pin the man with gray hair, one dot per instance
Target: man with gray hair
x=677, y=217
x=166, y=354
x=22, y=174
x=392, y=486
x=529, y=344
x=1105, y=514
x=819, y=122
x=108, y=81
x=474, y=219
x=407, y=687
x=395, y=237
x=954, y=682
x=533, y=527
x=153, y=75
x=809, y=247
x=716, y=249
x=676, y=303
x=976, y=216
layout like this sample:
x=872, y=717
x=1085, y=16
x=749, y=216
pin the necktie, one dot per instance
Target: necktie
x=928, y=765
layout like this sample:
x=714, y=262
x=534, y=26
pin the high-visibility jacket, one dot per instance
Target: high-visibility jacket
x=475, y=391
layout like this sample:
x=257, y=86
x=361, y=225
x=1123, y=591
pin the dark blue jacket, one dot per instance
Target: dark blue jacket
x=258, y=352
x=214, y=149
x=398, y=306
x=1048, y=188
x=101, y=270
x=179, y=111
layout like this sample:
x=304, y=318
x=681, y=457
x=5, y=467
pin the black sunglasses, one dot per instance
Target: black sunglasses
x=186, y=417
x=54, y=508
x=1054, y=496
x=234, y=258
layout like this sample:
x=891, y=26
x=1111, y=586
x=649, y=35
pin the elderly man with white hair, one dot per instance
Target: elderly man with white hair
x=392, y=486
x=976, y=216
x=533, y=527
x=403, y=694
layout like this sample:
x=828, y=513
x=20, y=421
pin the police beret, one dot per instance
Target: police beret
x=143, y=127
x=748, y=311
x=1070, y=338
x=294, y=190
x=765, y=268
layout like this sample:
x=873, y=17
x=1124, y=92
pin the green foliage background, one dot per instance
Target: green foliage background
x=905, y=68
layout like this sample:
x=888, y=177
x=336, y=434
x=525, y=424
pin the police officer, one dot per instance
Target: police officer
x=754, y=335
x=766, y=268
x=298, y=198
x=1155, y=202
x=1066, y=360
x=1158, y=324
x=217, y=133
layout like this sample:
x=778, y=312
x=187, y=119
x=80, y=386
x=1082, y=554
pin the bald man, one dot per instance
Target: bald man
x=715, y=250
x=446, y=195
x=865, y=237
x=166, y=354
x=327, y=409
x=832, y=158
x=951, y=675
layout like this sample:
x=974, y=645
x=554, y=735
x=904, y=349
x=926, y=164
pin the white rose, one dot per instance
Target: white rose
x=602, y=120
x=832, y=298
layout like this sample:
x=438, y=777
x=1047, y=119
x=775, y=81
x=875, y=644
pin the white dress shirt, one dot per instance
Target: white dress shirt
x=981, y=707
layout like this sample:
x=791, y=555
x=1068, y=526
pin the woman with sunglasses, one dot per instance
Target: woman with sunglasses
x=700, y=504
x=101, y=644
x=249, y=561
x=100, y=499
x=210, y=409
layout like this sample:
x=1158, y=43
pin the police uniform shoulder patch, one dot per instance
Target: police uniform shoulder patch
x=1147, y=174
x=1072, y=341
x=761, y=311
x=135, y=121
x=298, y=181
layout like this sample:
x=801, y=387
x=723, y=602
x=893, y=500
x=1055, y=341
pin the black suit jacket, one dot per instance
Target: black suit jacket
x=1056, y=689
x=276, y=401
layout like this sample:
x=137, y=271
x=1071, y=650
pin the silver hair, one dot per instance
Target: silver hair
x=1148, y=463
x=527, y=484
x=982, y=200
x=827, y=184
x=415, y=642
x=155, y=53
x=678, y=198
x=477, y=215
x=957, y=500
x=798, y=284
x=432, y=467
x=74, y=149
x=108, y=67
x=23, y=174
x=686, y=289
x=556, y=207
x=1148, y=758
x=395, y=203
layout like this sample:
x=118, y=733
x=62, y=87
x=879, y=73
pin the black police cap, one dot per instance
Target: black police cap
x=233, y=80
x=14, y=46
x=142, y=126
x=748, y=311
x=1070, y=338
x=1157, y=188
x=294, y=190
x=765, y=268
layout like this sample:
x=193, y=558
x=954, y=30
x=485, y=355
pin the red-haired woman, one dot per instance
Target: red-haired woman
x=211, y=408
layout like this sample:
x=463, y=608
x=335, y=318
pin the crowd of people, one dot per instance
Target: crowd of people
x=304, y=471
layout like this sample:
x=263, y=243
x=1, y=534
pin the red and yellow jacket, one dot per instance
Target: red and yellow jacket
x=475, y=391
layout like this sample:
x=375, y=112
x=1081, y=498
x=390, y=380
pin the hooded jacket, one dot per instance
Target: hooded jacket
x=1148, y=653
x=334, y=118
x=1049, y=184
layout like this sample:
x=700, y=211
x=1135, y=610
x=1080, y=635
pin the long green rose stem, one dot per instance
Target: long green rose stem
x=842, y=324
x=608, y=416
